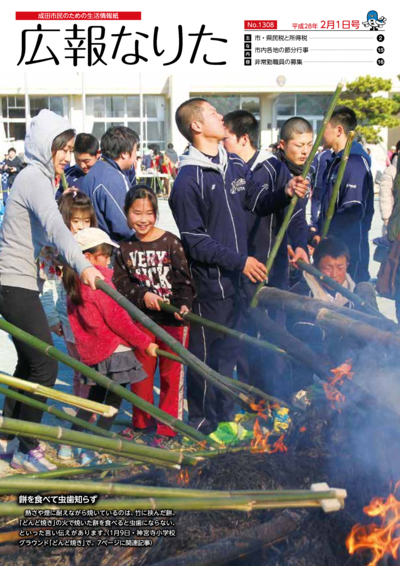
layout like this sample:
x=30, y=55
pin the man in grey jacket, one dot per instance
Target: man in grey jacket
x=31, y=221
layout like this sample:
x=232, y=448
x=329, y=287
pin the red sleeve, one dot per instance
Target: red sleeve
x=119, y=321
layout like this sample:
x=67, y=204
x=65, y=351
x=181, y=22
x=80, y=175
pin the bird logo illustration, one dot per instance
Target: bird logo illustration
x=373, y=22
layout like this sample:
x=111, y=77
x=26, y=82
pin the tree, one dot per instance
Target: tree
x=373, y=112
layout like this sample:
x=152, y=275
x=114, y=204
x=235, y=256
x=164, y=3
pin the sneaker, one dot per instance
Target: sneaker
x=8, y=447
x=65, y=452
x=34, y=461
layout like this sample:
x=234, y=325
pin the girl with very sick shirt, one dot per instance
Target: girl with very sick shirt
x=149, y=267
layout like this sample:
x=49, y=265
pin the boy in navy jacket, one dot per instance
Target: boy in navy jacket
x=242, y=135
x=86, y=153
x=354, y=208
x=107, y=183
x=209, y=200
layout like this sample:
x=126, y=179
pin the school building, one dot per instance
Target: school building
x=146, y=102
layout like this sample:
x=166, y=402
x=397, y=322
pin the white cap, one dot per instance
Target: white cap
x=92, y=237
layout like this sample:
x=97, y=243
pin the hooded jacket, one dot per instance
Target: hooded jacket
x=354, y=208
x=209, y=202
x=106, y=185
x=32, y=218
x=263, y=230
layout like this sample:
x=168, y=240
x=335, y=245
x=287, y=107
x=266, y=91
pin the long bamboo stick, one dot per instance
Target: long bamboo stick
x=293, y=202
x=64, y=181
x=307, y=307
x=338, y=182
x=135, y=459
x=52, y=410
x=312, y=270
x=37, y=389
x=105, y=382
x=65, y=472
x=192, y=361
x=245, y=504
x=233, y=382
x=62, y=435
x=123, y=490
x=241, y=336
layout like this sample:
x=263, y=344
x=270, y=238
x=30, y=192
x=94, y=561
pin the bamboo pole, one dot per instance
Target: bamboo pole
x=293, y=202
x=64, y=181
x=63, y=436
x=122, y=490
x=64, y=472
x=307, y=308
x=338, y=182
x=312, y=270
x=362, y=333
x=237, y=547
x=241, y=336
x=37, y=389
x=135, y=459
x=232, y=382
x=192, y=361
x=246, y=504
x=105, y=382
x=51, y=409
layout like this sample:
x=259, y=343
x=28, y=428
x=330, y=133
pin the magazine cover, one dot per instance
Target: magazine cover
x=199, y=284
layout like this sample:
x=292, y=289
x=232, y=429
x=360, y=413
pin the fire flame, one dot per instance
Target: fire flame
x=183, y=477
x=380, y=540
x=260, y=442
x=260, y=409
x=339, y=374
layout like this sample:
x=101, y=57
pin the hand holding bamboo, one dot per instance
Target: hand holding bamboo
x=338, y=182
x=293, y=202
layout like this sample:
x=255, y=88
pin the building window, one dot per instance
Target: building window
x=57, y=104
x=103, y=112
x=229, y=103
x=12, y=119
x=312, y=107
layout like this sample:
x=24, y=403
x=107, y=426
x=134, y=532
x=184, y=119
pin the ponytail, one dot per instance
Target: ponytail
x=72, y=285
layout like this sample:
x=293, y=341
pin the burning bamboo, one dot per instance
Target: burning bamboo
x=119, y=447
x=312, y=270
x=295, y=347
x=245, y=387
x=362, y=333
x=336, y=187
x=105, y=382
x=50, y=393
x=236, y=547
x=307, y=308
x=293, y=202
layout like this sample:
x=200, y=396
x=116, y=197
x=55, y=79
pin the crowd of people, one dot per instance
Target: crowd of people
x=228, y=199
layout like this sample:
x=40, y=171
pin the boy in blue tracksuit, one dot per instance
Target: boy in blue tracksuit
x=242, y=134
x=319, y=165
x=209, y=200
x=86, y=153
x=107, y=183
x=354, y=208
